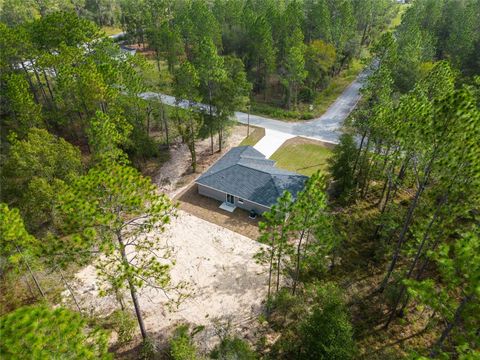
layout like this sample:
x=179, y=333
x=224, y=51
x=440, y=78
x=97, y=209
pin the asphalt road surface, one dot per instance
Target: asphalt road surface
x=325, y=128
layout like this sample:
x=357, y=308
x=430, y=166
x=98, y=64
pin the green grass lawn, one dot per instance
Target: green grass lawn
x=111, y=30
x=256, y=134
x=303, y=156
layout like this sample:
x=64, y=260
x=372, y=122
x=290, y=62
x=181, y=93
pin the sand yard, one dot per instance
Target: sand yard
x=224, y=282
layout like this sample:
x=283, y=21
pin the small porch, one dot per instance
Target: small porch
x=227, y=206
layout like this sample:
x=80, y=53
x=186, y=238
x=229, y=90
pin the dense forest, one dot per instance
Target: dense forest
x=377, y=258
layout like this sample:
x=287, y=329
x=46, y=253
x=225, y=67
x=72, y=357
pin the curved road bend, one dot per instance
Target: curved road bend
x=325, y=128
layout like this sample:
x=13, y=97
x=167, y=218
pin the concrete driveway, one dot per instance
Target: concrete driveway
x=272, y=140
x=326, y=128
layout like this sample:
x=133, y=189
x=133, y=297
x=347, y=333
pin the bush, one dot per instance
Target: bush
x=327, y=332
x=341, y=166
x=285, y=306
x=148, y=349
x=306, y=95
x=233, y=349
x=181, y=345
x=124, y=324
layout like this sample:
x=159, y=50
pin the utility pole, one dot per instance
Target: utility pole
x=248, y=121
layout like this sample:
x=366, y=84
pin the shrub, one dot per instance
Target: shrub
x=124, y=324
x=233, y=349
x=148, y=349
x=181, y=345
x=306, y=95
x=327, y=332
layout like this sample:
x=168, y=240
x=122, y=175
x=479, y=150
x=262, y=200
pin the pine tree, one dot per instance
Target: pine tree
x=113, y=208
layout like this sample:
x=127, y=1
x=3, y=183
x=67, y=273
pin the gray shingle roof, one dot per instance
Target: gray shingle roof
x=244, y=172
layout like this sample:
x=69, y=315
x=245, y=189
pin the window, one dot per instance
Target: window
x=240, y=201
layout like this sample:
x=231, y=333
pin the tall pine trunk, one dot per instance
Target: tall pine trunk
x=297, y=261
x=34, y=278
x=133, y=290
x=412, y=267
x=407, y=222
x=359, y=152
x=30, y=83
x=446, y=332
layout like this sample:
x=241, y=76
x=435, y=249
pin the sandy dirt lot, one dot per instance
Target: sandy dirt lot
x=224, y=282
x=175, y=175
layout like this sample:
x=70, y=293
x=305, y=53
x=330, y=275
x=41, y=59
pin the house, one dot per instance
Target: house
x=244, y=178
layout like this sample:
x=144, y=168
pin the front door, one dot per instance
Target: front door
x=230, y=199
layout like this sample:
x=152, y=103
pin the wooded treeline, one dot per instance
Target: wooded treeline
x=417, y=164
x=291, y=49
x=73, y=126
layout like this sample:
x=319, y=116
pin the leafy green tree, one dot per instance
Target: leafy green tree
x=343, y=26
x=211, y=73
x=342, y=165
x=134, y=20
x=261, y=52
x=231, y=94
x=327, y=332
x=186, y=87
x=103, y=12
x=460, y=26
x=24, y=112
x=106, y=137
x=317, y=25
x=309, y=218
x=415, y=47
x=275, y=231
x=18, y=12
x=197, y=23
x=75, y=31
x=114, y=209
x=455, y=298
x=16, y=244
x=167, y=42
x=294, y=65
x=320, y=57
x=33, y=173
x=39, y=332
x=372, y=17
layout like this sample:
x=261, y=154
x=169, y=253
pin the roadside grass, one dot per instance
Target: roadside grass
x=322, y=101
x=276, y=112
x=328, y=96
x=111, y=30
x=303, y=156
x=398, y=17
x=160, y=81
x=256, y=134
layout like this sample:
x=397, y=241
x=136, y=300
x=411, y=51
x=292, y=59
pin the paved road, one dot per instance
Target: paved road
x=326, y=128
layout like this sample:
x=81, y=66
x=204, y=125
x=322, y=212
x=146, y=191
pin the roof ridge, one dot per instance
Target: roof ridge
x=249, y=167
x=204, y=175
